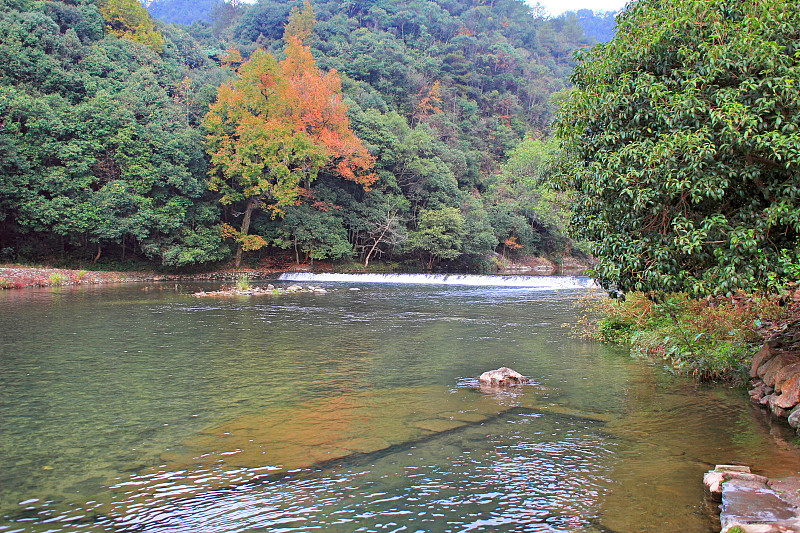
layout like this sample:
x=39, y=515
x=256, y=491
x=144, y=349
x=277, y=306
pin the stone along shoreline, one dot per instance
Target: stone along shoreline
x=775, y=375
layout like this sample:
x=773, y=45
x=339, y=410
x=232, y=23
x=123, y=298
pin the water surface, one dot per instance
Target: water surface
x=141, y=408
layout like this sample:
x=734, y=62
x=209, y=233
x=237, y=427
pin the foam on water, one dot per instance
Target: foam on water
x=534, y=282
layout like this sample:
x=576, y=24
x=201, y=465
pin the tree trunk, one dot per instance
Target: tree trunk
x=98, y=254
x=377, y=241
x=252, y=203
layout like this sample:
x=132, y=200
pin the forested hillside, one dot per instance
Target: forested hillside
x=598, y=27
x=181, y=11
x=104, y=149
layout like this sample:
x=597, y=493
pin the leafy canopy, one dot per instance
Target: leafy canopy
x=272, y=130
x=129, y=19
x=440, y=234
x=686, y=132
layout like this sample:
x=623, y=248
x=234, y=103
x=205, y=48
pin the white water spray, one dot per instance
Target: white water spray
x=535, y=282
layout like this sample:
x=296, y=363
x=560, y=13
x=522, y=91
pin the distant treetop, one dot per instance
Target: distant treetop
x=181, y=11
x=598, y=27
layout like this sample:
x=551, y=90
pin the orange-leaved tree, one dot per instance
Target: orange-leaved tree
x=272, y=130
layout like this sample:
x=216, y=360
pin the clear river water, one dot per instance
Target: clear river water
x=140, y=408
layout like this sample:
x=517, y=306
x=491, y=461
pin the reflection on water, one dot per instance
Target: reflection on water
x=485, y=477
x=142, y=409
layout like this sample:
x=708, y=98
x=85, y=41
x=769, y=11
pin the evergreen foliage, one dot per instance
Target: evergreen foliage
x=685, y=132
x=95, y=149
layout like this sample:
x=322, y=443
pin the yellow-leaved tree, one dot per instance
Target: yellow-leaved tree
x=130, y=20
x=275, y=127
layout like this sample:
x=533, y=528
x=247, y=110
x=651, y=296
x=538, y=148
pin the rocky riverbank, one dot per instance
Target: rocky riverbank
x=20, y=277
x=775, y=374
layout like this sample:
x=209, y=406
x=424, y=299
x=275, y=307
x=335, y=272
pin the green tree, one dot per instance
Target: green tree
x=317, y=232
x=97, y=159
x=686, y=135
x=382, y=224
x=439, y=235
x=524, y=205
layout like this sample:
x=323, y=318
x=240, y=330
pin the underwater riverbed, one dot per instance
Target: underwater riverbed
x=141, y=408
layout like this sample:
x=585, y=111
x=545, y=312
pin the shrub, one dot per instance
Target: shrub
x=709, y=339
x=242, y=282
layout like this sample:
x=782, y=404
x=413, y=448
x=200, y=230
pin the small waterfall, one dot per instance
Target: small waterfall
x=535, y=282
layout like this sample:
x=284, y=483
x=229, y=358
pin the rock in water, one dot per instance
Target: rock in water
x=502, y=377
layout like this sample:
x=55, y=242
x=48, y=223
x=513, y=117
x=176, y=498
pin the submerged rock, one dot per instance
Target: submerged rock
x=754, y=509
x=502, y=377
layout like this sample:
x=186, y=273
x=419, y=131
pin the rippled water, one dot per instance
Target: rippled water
x=141, y=408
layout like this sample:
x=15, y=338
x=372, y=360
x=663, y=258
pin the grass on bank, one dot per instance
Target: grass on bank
x=711, y=340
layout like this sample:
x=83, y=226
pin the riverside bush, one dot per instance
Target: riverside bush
x=55, y=279
x=242, y=282
x=711, y=339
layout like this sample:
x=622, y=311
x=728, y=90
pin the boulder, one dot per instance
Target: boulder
x=784, y=374
x=790, y=393
x=776, y=409
x=502, y=377
x=758, y=391
x=794, y=418
x=774, y=365
x=763, y=355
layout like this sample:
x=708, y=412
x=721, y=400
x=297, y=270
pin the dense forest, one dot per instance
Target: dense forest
x=106, y=152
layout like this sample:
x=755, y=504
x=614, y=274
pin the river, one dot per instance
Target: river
x=142, y=408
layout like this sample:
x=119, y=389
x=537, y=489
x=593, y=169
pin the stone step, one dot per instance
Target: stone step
x=745, y=506
x=753, y=503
